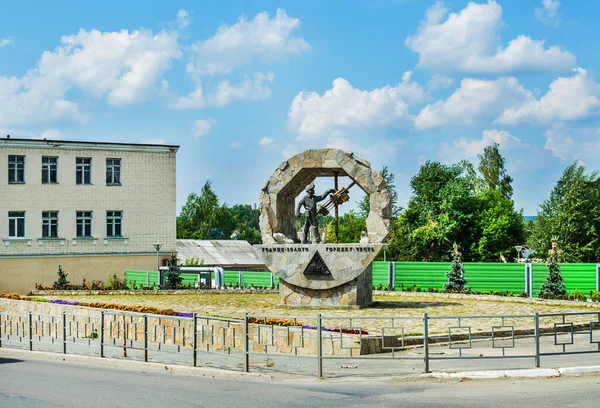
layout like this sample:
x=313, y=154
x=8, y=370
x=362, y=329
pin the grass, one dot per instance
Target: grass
x=407, y=308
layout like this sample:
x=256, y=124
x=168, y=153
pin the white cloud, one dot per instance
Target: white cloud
x=439, y=81
x=183, y=19
x=248, y=89
x=5, y=42
x=559, y=144
x=122, y=66
x=225, y=93
x=52, y=134
x=467, y=41
x=475, y=100
x=266, y=141
x=203, y=127
x=345, y=108
x=567, y=99
x=470, y=149
x=548, y=14
x=574, y=144
x=236, y=144
x=264, y=38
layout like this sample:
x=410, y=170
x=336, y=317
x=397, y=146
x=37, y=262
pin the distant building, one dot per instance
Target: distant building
x=95, y=208
x=228, y=254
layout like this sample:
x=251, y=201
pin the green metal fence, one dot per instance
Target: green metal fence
x=580, y=277
x=249, y=278
x=484, y=276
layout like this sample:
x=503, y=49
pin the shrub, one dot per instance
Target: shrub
x=456, y=279
x=62, y=281
x=173, y=276
x=554, y=285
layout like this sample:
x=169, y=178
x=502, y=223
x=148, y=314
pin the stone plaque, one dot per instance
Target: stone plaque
x=317, y=266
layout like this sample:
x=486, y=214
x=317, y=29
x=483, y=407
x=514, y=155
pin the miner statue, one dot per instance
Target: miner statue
x=309, y=202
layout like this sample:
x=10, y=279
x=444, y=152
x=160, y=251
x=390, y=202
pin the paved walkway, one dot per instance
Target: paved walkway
x=444, y=362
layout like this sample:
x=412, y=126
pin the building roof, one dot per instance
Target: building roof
x=74, y=144
x=224, y=253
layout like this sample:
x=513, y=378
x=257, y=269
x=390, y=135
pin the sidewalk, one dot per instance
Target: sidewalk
x=408, y=364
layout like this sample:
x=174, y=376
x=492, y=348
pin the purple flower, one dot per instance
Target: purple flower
x=185, y=314
x=64, y=302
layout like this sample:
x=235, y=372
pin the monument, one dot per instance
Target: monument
x=311, y=272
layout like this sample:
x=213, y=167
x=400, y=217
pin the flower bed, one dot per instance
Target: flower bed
x=337, y=330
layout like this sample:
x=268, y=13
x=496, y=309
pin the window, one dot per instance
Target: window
x=84, y=170
x=114, y=221
x=50, y=224
x=84, y=224
x=16, y=169
x=16, y=224
x=113, y=172
x=49, y=170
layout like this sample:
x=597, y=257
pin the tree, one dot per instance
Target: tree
x=491, y=167
x=451, y=204
x=456, y=279
x=554, y=285
x=572, y=215
x=173, y=275
x=202, y=217
x=62, y=281
x=500, y=226
x=245, y=221
x=364, y=206
x=350, y=228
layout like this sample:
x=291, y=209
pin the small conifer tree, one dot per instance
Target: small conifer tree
x=456, y=279
x=173, y=276
x=62, y=281
x=554, y=285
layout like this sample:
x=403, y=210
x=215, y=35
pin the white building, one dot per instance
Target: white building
x=94, y=208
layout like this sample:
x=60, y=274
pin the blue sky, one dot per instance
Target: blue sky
x=242, y=85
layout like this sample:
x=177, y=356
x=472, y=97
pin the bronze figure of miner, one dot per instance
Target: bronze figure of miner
x=309, y=202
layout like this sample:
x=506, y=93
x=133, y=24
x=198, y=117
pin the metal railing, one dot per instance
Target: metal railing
x=422, y=340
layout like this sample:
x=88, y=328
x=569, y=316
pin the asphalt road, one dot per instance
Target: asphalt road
x=39, y=383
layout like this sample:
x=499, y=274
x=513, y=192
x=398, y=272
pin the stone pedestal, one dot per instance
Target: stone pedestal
x=322, y=274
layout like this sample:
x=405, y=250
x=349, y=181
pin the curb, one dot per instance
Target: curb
x=532, y=373
x=236, y=375
x=133, y=365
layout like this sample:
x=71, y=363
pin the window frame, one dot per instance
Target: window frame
x=83, y=168
x=50, y=224
x=84, y=221
x=49, y=169
x=14, y=165
x=112, y=222
x=113, y=171
x=12, y=217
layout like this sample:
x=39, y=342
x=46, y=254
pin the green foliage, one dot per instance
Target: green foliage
x=350, y=228
x=62, y=281
x=173, y=276
x=193, y=262
x=491, y=167
x=451, y=204
x=203, y=217
x=456, y=279
x=364, y=206
x=554, y=285
x=245, y=222
x=572, y=215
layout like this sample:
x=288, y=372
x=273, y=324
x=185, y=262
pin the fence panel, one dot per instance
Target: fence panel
x=490, y=276
x=580, y=277
x=423, y=274
x=380, y=273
